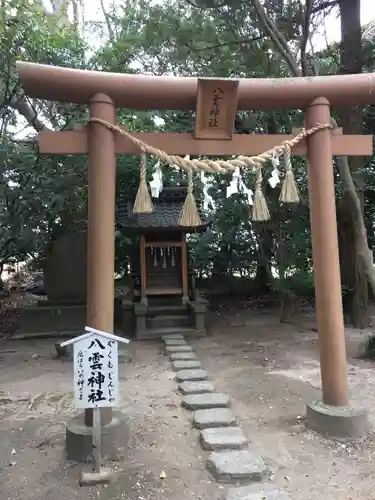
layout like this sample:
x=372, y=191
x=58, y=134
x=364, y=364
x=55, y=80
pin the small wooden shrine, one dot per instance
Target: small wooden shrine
x=163, y=298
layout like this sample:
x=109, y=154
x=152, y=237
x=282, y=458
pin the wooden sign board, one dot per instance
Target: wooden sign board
x=95, y=356
x=95, y=372
x=95, y=387
x=216, y=108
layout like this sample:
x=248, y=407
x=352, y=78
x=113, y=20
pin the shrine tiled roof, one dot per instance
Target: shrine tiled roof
x=166, y=214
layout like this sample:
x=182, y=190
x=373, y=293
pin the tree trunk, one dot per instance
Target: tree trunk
x=265, y=237
x=264, y=274
x=354, y=278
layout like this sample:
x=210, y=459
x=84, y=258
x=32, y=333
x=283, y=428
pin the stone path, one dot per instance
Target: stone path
x=199, y=387
x=191, y=375
x=178, y=348
x=232, y=458
x=185, y=365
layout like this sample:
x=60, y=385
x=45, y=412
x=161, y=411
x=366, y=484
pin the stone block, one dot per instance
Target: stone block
x=140, y=309
x=178, y=348
x=79, y=437
x=182, y=356
x=191, y=375
x=199, y=387
x=52, y=319
x=336, y=421
x=237, y=465
x=205, y=401
x=257, y=492
x=186, y=365
x=172, y=342
x=214, y=417
x=95, y=478
x=172, y=336
x=221, y=438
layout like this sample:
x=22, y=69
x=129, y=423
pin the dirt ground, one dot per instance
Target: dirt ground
x=270, y=370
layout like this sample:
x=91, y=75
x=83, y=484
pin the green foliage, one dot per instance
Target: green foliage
x=40, y=194
x=45, y=195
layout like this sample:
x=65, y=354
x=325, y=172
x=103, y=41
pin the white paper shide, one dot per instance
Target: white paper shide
x=95, y=372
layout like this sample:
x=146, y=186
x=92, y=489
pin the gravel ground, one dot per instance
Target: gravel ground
x=270, y=370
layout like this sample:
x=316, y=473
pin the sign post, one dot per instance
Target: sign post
x=95, y=359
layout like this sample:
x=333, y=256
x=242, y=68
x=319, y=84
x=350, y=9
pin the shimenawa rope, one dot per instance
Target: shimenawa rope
x=214, y=166
x=189, y=216
x=289, y=192
x=143, y=203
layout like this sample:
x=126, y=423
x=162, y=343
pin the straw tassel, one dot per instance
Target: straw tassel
x=260, y=209
x=189, y=216
x=289, y=190
x=143, y=203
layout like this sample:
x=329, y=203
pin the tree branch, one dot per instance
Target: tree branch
x=306, y=14
x=325, y=5
x=107, y=18
x=270, y=29
x=225, y=44
x=20, y=104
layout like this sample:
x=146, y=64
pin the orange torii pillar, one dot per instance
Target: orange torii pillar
x=101, y=224
x=100, y=270
x=332, y=416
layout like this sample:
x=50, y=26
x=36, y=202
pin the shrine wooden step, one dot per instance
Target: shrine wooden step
x=168, y=321
x=166, y=310
x=157, y=333
x=165, y=300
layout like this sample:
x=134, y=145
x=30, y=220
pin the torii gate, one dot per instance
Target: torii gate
x=104, y=91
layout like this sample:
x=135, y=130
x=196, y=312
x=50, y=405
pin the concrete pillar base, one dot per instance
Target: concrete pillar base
x=116, y=437
x=332, y=421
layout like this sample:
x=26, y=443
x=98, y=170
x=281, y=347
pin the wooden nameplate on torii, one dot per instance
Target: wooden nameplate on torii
x=216, y=108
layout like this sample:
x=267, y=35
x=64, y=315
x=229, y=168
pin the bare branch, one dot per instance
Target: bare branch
x=225, y=44
x=324, y=6
x=305, y=35
x=107, y=18
x=270, y=29
x=20, y=104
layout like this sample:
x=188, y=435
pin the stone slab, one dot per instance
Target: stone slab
x=257, y=492
x=220, y=438
x=94, y=478
x=214, y=417
x=172, y=336
x=182, y=356
x=178, y=348
x=170, y=342
x=237, y=465
x=191, y=375
x=199, y=387
x=336, y=421
x=79, y=437
x=205, y=401
x=192, y=364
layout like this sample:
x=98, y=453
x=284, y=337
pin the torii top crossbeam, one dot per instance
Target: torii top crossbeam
x=169, y=92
